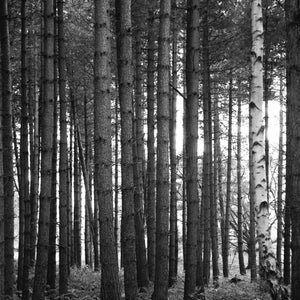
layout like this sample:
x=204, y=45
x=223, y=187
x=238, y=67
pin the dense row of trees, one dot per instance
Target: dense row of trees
x=91, y=94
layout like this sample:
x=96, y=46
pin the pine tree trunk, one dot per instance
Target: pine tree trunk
x=141, y=255
x=34, y=165
x=162, y=175
x=63, y=157
x=77, y=202
x=228, y=190
x=239, y=186
x=51, y=275
x=2, y=221
x=293, y=66
x=46, y=155
x=207, y=155
x=150, y=211
x=8, y=172
x=125, y=77
x=192, y=83
x=24, y=156
x=173, y=159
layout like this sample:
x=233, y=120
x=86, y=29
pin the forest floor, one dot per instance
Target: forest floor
x=85, y=284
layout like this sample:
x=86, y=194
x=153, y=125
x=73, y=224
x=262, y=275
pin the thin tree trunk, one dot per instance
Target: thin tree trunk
x=192, y=83
x=125, y=79
x=8, y=172
x=162, y=176
x=24, y=161
x=63, y=157
x=173, y=159
x=77, y=201
x=228, y=190
x=239, y=186
x=138, y=157
x=46, y=159
x=280, y=178
x=34, y=168
x=206, y=192
x=150, y=211
x=51, y=275
x=293, y=66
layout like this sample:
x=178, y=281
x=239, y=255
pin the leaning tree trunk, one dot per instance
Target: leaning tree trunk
x=293, y=138
x=268, y=265
x=46, y=158
x=8, y=172
x=125, y=77
x=192, y=84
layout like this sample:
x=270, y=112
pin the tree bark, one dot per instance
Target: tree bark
x=293, y=154
x=46, y=156
x=63, y=156
x=8, y=173
x=192, y=83
x=239, y=185
x=150, y=211
x=228, y=190
x=125, y=78
x=162, y=167
x=173, y=159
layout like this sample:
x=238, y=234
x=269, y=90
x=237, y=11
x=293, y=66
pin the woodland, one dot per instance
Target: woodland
x=150, y=149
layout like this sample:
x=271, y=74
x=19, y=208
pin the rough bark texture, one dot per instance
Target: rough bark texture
x=192, y=83
x=150, y=211
x=162, y=176
x=293, y=146
x=207, y=155
x=8, y=172
x=46, y=155
x=63, y=157
x=228, y=190
x=138, y=148
x=173, y=188
x=110, y=288
x=125, y=77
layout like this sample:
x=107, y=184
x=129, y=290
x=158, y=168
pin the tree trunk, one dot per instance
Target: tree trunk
x=8, y=172
x=268, y=265
x=150, y=211
x=239, y=185
x=63, y=157
x=293, y=66
x=228, y=190
x=46, y=158
x=34, y=165
x=207, y=155
x=125, y=77
x=173, y=159
x=280, y=177
x=77, y=201
x=138, y=157
x=162, y=176
x=51, y=276
x=192, y=83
